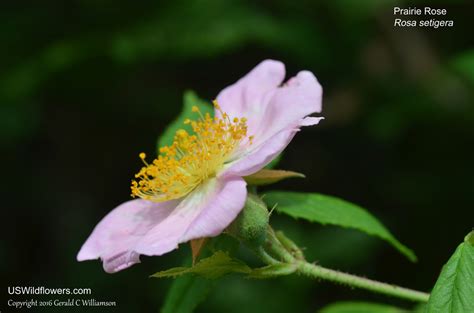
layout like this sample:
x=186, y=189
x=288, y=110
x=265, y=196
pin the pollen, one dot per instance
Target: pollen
x=192, y=158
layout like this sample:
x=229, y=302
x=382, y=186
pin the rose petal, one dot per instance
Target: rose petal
x=274, y=113
x=114, y=238
x=221, y=211
x=246, y=98
x=310, y=121
x=143, y=227
x=289, y=104
x=257, y=158
x=206, y=212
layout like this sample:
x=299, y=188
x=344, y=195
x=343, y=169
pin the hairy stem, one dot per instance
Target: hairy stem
x=264, y=256
x=290, y=245
x=276, y=249
x=282, y=248
x=319, y=272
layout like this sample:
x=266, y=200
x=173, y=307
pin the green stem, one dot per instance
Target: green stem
x=290, y=245
x=264, y=256
x=279, y=250
x=276, y=249
x=319, y=272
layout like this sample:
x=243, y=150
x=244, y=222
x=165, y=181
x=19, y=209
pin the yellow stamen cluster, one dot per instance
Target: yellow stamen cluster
x=191, y=158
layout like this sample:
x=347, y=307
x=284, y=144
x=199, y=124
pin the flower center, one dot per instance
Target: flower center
x=191, y=158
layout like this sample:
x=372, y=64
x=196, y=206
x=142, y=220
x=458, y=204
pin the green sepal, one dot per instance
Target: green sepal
x=251, y=224
x=268, y=176
x=273, y=270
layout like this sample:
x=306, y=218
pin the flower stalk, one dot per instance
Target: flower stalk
x=281, y=248
x=319, y=272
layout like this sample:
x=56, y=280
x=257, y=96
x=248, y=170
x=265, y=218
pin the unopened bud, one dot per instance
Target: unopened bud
x=251, y=224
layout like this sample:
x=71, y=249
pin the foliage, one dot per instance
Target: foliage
x=84, y=87
x=464, y=64
x=333, y=211
x=185, y=294
x=220, y=264
x=454, y=290
x=360, y=307
x=283, y=256
x=190, y=99
x=215, y=266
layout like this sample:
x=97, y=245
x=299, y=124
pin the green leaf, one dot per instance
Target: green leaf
x=274, y=162
x=190, y=99
x=186, y=293
x=215, y=266
x=454, y=290
x=333, y=211
x=360, y=307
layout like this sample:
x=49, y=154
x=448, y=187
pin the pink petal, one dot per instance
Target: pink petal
x=220, y=212
x=256, y=159
x=114, y=238
x=285, y=110
x=289, y=104
x=310, y=121
x=206, y=212
x=274, y=112
x=246, y=98
x=143, y=227
x=268, y=106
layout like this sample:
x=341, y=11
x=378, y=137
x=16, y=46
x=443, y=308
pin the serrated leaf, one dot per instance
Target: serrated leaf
x=190, y=99
x=333, y=211
x=268, y=176
x=186, y=293
x=274, y=270
x=215, y=266
x=360, y=307
x=454, y=290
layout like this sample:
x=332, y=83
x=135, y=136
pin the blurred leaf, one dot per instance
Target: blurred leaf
x=215, y=266
x=360, y=307
x=464, y=64
x=273, y=270
x=190, y=99
x=454, y=290
x=274, y=162
x=267, y=176
x=420, y=308
x=188, y=291
x=185, y=294
x=330, y=210
x=223, y=242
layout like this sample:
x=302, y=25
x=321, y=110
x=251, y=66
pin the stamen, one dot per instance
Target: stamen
x=191, y=158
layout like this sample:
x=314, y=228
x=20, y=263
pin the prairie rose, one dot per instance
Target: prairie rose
x=195, y=188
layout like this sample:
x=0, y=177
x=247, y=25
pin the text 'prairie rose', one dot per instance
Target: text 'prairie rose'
x=195, y=189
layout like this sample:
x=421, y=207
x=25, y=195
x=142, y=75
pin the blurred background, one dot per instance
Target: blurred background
x=87, y=85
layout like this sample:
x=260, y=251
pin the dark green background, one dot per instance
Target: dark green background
x=87, y=85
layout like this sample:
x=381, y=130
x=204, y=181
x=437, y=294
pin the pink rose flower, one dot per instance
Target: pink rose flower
x=195, y=189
